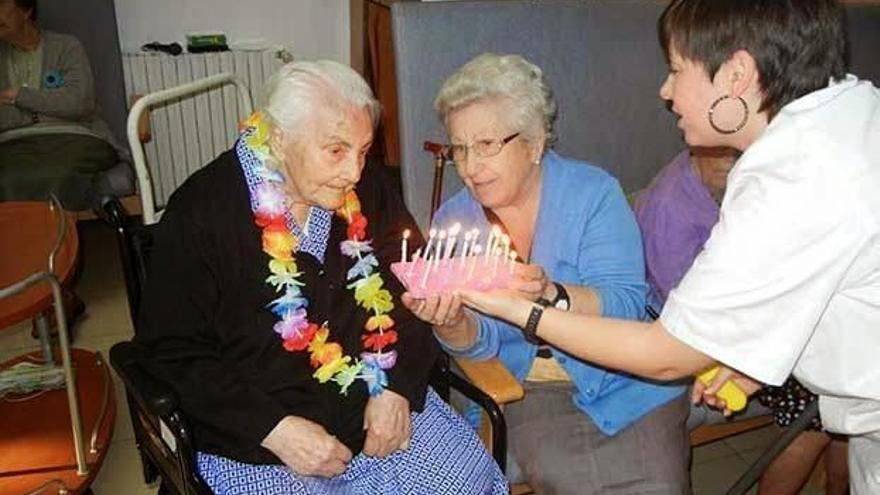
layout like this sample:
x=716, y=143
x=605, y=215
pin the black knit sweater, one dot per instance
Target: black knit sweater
x=205, y=328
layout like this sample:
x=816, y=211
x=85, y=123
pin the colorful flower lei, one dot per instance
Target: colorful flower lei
x=280, y=243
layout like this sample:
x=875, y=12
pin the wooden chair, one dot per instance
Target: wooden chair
x=496, y=381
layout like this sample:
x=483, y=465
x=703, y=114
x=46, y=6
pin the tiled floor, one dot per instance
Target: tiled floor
x=715, y=466
x=718, y=465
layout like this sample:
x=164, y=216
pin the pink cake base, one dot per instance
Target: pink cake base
x=450, y=275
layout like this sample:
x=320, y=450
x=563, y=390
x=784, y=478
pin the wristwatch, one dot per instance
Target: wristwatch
x=561, y=301
x=530, y=331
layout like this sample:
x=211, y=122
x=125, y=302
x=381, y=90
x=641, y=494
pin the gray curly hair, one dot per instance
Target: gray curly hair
x=489, y=76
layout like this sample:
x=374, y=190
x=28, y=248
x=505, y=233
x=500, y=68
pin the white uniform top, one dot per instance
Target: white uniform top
x=789, y=280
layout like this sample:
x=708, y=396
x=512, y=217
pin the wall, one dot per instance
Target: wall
x=308, y=28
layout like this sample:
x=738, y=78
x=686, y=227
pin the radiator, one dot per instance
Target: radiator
x=189, y=133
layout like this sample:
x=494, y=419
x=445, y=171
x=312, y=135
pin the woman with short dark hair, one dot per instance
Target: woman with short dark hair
x=789, y=280
x=676, y=213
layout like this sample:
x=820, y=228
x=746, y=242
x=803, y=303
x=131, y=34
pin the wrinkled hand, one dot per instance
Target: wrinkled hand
x=507, y=304
x=439, y=310
x=8, y=96
x=531, y=281
x=707, y=394
x=387, y=422
x=306, y=448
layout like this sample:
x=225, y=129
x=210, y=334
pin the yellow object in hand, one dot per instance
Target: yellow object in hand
x=733, y=396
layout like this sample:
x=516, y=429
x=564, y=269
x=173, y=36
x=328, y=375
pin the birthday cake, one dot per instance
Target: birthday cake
x=446, y=266
x=423, y=278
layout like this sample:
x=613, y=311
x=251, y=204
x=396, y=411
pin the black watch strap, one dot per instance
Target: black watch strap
x=531, y=329
x=562, y=300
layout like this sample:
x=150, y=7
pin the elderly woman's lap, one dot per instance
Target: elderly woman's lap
x=445, y=457
x=556, y=448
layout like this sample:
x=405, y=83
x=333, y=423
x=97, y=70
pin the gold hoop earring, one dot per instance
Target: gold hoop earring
x=739, y=126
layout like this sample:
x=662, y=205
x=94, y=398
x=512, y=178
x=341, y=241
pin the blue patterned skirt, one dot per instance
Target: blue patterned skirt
x=445, y=457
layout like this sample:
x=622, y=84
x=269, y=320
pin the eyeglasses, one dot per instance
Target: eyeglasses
x=483, y=148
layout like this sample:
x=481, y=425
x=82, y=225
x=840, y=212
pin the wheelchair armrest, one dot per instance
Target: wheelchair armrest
x=151, y=393
x=492, y=378
x=113, y=213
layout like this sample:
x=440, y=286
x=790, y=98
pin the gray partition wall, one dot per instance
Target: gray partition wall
x=863, y=24
x=601, y=57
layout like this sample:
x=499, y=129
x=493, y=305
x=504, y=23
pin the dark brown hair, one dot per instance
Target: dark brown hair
x=798, y=45
x=28, y=5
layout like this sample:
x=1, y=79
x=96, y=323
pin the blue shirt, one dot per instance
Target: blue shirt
x=585, y=235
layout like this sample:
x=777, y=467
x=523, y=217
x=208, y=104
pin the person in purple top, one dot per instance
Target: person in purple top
x=677, y=211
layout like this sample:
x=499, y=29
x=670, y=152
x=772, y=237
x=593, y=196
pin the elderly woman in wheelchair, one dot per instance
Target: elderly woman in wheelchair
x=270, y=311
x=580, y=428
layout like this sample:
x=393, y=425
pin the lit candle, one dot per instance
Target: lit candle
x=496, y=236
x=512, y=257
x=497, y=254
x=431, y=235
x=426, y=269
x=465, y=249
x=476, y=250
x=450, y=244
x=438, y=249
x=475, y=237
x=494, y=233
x=412, y=265
x=403, y=246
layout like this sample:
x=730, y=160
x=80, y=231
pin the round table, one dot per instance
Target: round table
x=36, y=443
x=36, y=439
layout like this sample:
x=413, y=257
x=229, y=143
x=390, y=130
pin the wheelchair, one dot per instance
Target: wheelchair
x=163, y=437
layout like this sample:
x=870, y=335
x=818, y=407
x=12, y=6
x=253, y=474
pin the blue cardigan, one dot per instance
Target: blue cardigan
x=585, y=235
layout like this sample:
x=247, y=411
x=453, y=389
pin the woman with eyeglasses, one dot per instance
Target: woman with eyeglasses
x=580, y=428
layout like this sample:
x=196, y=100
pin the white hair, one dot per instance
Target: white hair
x=300, y=88
x=490, y=76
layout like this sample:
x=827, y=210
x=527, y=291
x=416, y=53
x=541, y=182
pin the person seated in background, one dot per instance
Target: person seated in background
x=51, y=139
x=789, y=281
x=580, y=429
x=270, y=309
x=676, y=213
